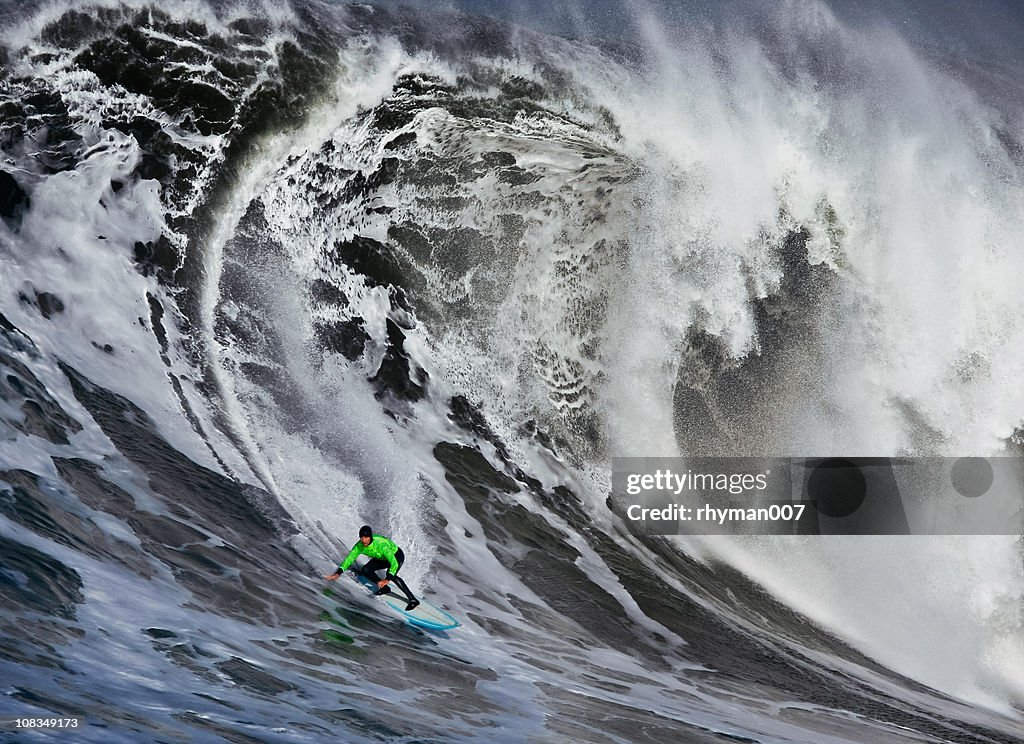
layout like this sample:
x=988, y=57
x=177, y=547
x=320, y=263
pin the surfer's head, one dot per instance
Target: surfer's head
x=365, y=534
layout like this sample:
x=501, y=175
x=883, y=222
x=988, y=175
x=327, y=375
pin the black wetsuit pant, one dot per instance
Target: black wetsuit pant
x=372, y=566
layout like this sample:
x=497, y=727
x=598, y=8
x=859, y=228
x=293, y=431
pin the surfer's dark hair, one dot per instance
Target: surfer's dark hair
x=365, y=531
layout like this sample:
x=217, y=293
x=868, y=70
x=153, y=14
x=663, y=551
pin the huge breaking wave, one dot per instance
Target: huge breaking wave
x=272, y=273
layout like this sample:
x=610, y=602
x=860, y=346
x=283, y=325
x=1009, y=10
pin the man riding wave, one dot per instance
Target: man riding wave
x=383, y=554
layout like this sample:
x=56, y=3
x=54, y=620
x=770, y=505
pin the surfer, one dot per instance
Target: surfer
x=383, y=554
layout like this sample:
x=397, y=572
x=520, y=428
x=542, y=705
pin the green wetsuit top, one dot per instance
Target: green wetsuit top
x=379, y=547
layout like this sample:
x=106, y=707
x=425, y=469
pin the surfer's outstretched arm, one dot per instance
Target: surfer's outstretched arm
x=356, y=550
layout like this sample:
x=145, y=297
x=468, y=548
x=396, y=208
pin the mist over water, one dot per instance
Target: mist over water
x=273, y=272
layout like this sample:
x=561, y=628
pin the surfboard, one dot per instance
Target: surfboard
x=424, y=615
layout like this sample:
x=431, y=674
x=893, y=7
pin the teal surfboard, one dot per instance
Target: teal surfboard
x=424, y=615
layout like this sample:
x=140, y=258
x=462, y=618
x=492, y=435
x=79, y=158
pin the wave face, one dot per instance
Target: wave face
x=269, y=274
